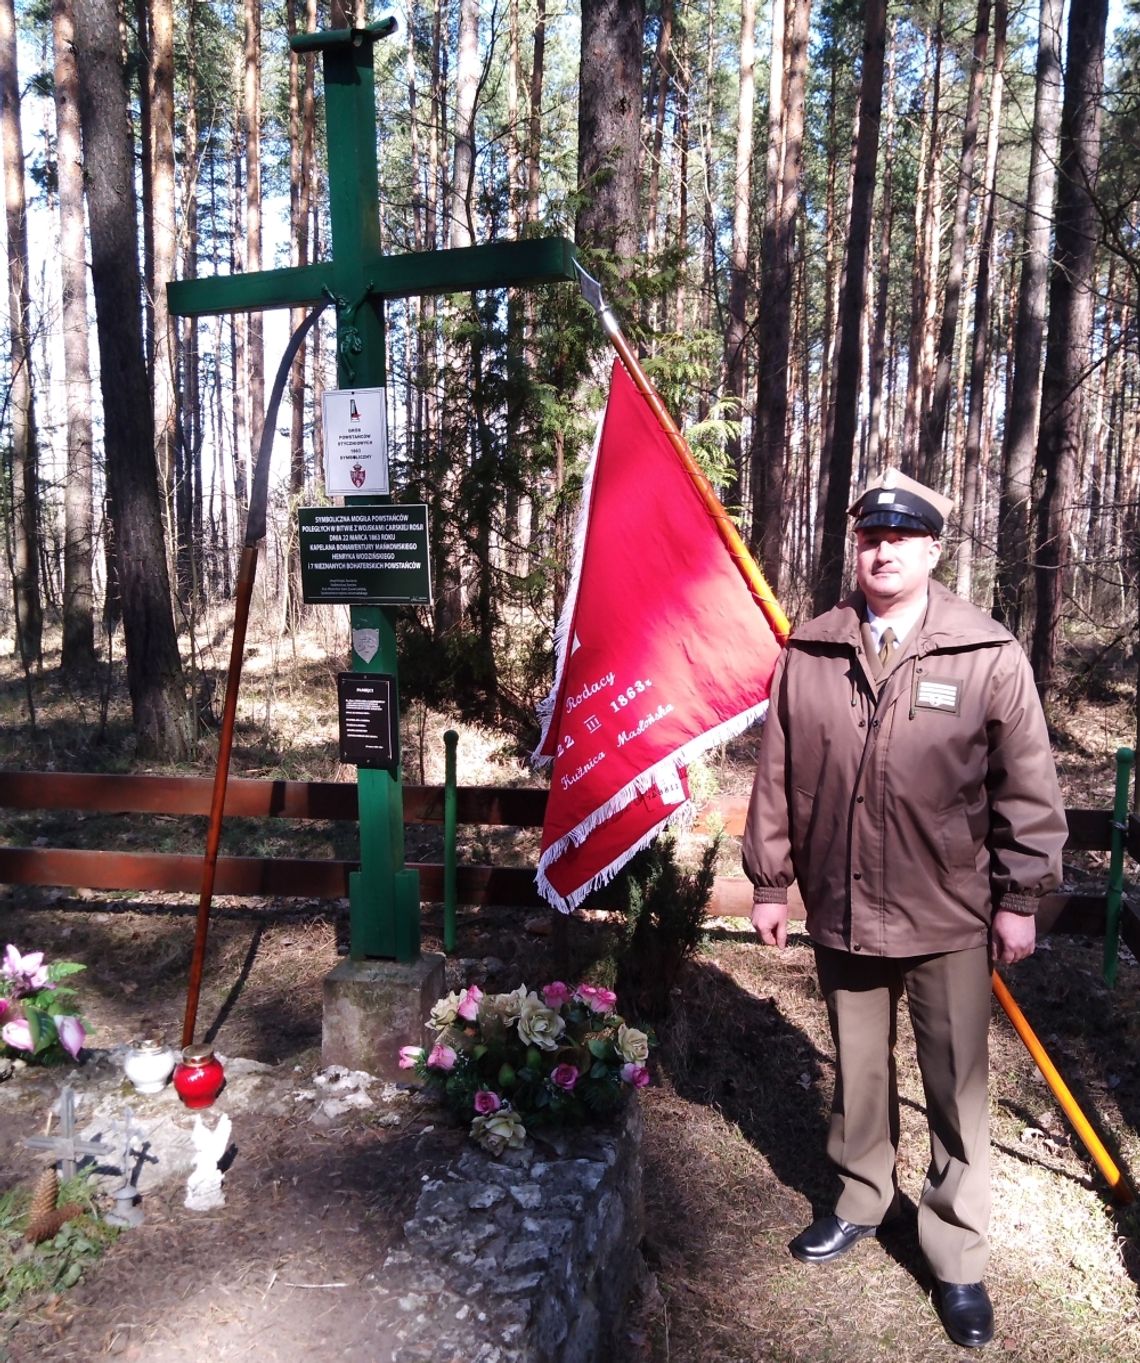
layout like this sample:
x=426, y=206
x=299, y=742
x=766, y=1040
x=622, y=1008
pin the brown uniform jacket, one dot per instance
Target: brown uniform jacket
x=907, y=804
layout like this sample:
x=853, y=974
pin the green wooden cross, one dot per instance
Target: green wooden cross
x=384, y=894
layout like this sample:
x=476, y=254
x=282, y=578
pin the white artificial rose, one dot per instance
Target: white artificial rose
x=632, y=1045
x=512, y=1004
x=444, y=1013
x=540, y=1026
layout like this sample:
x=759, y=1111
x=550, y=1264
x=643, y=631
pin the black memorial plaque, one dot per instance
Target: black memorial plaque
x=367, y=710
x=365, y=555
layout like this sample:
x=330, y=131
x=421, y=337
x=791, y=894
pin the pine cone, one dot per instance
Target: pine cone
x=45, y=1195
x=45, y=1227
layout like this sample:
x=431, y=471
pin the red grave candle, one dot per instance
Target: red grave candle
x=198, y=1076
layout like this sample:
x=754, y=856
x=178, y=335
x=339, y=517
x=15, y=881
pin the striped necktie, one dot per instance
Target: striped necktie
x=886, y=645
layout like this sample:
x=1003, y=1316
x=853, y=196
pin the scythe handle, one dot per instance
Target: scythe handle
x=247, y=571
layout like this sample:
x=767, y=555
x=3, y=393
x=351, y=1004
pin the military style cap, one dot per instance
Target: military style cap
x=895, y=502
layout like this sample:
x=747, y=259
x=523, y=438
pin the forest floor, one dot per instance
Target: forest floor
x=735, y=1118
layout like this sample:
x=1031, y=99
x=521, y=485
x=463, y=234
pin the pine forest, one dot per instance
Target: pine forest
x=840, y=236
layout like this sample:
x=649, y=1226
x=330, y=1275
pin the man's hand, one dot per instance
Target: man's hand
x=1013, y=936
x=771, y=922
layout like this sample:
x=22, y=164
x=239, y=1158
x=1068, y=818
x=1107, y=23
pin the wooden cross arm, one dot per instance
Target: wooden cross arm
x=498, y=265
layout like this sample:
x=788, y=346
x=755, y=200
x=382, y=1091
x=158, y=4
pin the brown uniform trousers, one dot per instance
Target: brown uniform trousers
x=949, y=1000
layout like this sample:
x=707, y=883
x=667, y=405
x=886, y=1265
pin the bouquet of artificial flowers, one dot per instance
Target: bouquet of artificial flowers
x=36, y=1017
x=511, y=1062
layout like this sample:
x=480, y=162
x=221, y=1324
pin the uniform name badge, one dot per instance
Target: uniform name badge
x=939, y=693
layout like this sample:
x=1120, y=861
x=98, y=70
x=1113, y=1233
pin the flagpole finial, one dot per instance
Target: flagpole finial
x=592, y=293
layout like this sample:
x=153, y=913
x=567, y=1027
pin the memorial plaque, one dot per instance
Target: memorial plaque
x=355, y=441
x=366, y=704
x=365, y=555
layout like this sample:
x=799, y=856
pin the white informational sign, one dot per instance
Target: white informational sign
x=356, y=441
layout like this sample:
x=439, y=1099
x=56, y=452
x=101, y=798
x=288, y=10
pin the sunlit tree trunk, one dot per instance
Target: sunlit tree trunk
x=461, y=225
x=735, y=358
x=534, y=135
x=78, y=543
x=22, y=416
x=251, y=128
x=876, y=407
x=777, y=285
x=842, y=444
x=659, y=88
x=933, y=428
x=301, y=118
x=164, y=234
x=1020, y=436
x=979, y=351
x=154, y=669
x=609, y=105
x=1071, y=305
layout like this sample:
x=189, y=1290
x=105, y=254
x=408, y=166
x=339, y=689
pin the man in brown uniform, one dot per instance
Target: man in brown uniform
x=905, y=781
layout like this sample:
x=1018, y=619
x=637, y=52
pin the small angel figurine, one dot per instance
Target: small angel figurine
x=204, y=1186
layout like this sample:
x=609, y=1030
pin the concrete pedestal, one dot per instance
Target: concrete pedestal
x=372, y=1008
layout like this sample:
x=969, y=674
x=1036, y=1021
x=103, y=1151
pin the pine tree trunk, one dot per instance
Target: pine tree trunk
x=251, y=127
x=776, y=293
x=23, y=490
x=842, y=444
x=609, y=106
x=660, y=90
x=78, y=654
x=933, y=428
x=154, y=669
x=876, y=407
x=534, y=135
x=1019, y=442
x=190, y=440
x=165, y=241
x=1071, y=306
x=971, y=464
x=735, y=357
x=461, y=225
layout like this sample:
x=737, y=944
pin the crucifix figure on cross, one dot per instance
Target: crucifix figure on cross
x=384, y=893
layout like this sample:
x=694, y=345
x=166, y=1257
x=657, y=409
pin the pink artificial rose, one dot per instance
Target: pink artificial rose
x=4, y=1006
x=637, y=1075
x=486, y=1102
x=468, y=1008
x=565, y=1076
x=442, y=1057
x=26, y=972
x=597, y=999
x=555, y=994
x=410, y=1057
x=18, y=1035
x=72, y=1035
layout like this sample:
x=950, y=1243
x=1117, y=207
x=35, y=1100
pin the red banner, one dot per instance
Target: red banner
x=663, y=652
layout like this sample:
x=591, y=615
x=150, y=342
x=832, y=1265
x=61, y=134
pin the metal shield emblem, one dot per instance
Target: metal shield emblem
x=365, y=642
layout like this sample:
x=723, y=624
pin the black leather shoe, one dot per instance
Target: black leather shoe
x=827, y=1239
x=966, y=1313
